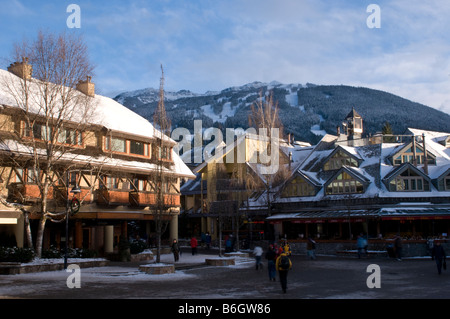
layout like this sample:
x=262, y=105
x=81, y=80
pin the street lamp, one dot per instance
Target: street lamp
x=75, y=190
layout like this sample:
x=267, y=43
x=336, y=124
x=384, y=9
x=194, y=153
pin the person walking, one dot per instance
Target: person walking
x=361, y=245
x=208, y=241
x=271, y=257
x=438, y=254
x=311, y=248
x=398, y=247
x=258, y=255
x=194, y=244
x=283, y=264
x=175, y=250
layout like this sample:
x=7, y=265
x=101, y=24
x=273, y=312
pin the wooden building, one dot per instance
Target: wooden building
x=113, y=159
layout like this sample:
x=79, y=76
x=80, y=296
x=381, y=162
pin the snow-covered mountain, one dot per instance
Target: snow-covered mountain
x=308, y=111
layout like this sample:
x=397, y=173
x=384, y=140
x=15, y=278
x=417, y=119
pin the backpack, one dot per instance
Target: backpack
x=284, y=262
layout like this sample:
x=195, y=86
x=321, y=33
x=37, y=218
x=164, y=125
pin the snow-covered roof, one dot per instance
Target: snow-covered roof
x=374, y=167
x=106, y=112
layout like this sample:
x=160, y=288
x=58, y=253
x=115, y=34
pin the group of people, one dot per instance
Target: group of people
x=277, y=260
x=194, y=244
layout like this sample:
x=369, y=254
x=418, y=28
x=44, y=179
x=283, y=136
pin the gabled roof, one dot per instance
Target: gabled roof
x=446, y=172
x=352, y=172
x=350, y=151
x=353, y=113
x=406, y=146
x=400, y=169
x=298, y=173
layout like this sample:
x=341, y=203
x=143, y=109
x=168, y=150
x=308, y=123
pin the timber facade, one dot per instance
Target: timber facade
x=347, y=184
x=118, y=162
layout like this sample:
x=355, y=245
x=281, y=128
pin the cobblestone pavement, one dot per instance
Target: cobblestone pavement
x=323, y=278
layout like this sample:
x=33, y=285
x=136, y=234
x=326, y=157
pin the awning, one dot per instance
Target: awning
x=9, y=217
x=419, y=213
x=361, y=215
x=330, y=216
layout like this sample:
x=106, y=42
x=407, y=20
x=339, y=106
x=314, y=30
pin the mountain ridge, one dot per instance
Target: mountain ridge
x=306, y=110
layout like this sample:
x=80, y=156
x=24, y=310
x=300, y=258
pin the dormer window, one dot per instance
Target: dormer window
x=339, y=159
x=44, y=132
x=344, y=183
x=407, y=178
x=114, y=144
x=298, y=187
x=407, y=156
x=137, y=148
x=126, y=146
x=447, y=183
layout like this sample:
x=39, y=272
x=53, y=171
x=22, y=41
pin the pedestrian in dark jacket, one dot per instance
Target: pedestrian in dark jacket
x=283, y=272
x=438, y=254
x=175, y=250
x=398, y=247
x=271, y=257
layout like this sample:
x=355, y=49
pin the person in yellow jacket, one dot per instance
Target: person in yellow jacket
x=283, y=264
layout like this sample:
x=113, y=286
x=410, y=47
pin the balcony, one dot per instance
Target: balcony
x=149, y=199
x=60, y=195
x=23, y=193
x=113, y=197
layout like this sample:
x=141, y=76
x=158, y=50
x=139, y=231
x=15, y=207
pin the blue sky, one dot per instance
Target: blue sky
x=210, y=45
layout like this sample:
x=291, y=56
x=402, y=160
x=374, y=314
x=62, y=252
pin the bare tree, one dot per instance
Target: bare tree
x=54, y=113
x=265, y=117
x=161, y=177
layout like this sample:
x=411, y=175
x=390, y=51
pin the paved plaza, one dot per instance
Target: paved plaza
x=327, y=277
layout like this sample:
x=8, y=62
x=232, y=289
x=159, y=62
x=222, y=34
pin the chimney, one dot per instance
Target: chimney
x=23, y=69
x=425, y=155
x=338, y=130
x=86, y=87
x=290, y=160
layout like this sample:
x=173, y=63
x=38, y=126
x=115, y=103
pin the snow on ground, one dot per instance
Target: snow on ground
x=120, y=271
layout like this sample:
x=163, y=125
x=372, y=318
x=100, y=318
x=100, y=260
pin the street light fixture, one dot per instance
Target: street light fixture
x=75, y=190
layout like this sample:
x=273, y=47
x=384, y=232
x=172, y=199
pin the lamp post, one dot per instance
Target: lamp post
x=74, y=190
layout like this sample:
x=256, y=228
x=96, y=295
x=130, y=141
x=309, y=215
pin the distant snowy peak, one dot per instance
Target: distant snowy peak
x=149, y=95
x=269, y=86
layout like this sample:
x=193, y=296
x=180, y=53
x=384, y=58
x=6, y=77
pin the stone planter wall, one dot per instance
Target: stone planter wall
x=220, y=261
x=158, y=269
x=18, y=268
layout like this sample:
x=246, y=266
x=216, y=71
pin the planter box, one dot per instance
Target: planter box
x=220, y=261
x=7, y=268
x=237, y=254
x=158, y=269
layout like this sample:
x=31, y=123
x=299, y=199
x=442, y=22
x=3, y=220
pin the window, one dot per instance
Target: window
x=407, y=156
x=409, y=181
x=338, y=160
x=33, y=175
x=42, y=132
x=164, y=152
x=344, y=184
x=447, y=183
x=115, y=144
x=137, y=148
x=70, y=136
x=298, y=187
